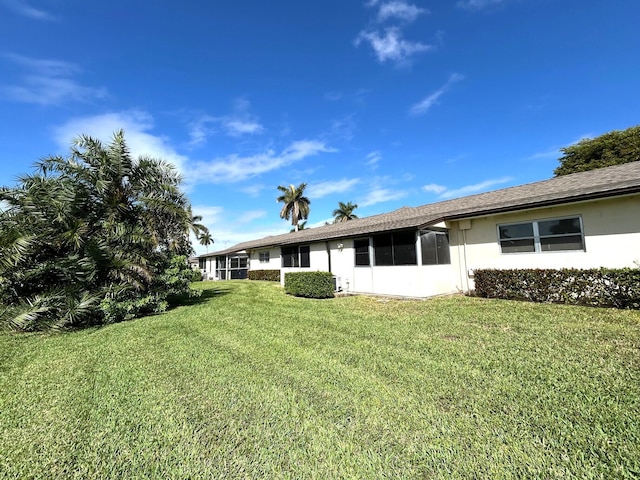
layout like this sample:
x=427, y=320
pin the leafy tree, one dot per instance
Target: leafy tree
x=613, y=148
x=205, y=239
x=88, y=239
x=295, y=204
x=344, y=212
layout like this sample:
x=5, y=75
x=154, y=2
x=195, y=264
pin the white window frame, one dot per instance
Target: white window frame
x=536, y=235
x=264, y=257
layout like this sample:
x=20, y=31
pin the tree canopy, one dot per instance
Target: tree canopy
x=93, y=238
x=295, y=204
x=344, y=212
x=612, y=148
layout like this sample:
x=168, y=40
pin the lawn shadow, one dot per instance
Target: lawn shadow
x=206, y=295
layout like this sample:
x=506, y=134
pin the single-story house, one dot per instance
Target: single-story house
x=583, y=220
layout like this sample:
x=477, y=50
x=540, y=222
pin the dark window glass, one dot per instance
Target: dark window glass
x=404, y=248
x=202, y=263
x=234, y=262
x=362, y=252
x=221, y=262
x=243, y=262
x=518, y=246
x=442, y=247
x=518, y=230
x=559, y=227
x=567, y=242
x=382, y=248
x=305, y=261
x=264, y=257
x=289, y=256
x=435, y=248
x=428, y=247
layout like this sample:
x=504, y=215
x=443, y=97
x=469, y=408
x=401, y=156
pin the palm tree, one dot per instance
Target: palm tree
x=296, y=205
x=344, y=212
x=301, y=226
x=87, y=239
x=205, y=239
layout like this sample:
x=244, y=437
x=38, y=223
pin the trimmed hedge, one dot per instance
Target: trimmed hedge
x=269, y=275
x=309, y=284
x=600, y=287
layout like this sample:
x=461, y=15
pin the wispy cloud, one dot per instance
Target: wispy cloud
x=240, y=122
x=137, y=126
x=390, y=46
x=434, y=188
x=21, y=7
x=48, y=82
x=400, y=10
x=343, y=128
x=554, y=152
x=373, y=159
x=322, y=189
x=234, y=168
x=471, y=189
x=477, y=4
x=425, y=104
x=380, y=195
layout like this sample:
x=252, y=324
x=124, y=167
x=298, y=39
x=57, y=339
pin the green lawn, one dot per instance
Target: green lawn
x=251, y=383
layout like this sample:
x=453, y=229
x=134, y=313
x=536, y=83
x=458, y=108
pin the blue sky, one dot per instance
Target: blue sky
x=383, y=103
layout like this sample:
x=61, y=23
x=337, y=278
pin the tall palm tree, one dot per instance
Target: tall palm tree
x=205, y=239
x=344, y=212
x=301, y=226
x=296, y=205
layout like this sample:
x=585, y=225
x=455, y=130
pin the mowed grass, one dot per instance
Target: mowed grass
x=251, y=383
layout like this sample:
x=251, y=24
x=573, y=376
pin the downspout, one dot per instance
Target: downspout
x=464, y=250
x=328, y=247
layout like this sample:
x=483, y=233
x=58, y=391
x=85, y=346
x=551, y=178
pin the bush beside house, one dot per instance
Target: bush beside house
x=309, y=284
x=602, y=287
x=268, y=275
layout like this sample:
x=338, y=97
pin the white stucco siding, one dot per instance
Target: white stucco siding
x=273, y=263
x=611, y=230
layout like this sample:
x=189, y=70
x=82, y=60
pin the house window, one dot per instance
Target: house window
x=553, y=235
x=362, y=252
x=434, y=246
x=296, y=256
x=395, y=249
x=264, y=257
x=202, y=263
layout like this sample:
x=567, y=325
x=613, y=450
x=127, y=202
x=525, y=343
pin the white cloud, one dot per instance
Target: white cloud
x=23, y=8
x=380, y=195
x=373, y=158
x=434, y=188
x=344, y=128
x=475, y=188
x=400, y=10
x=477, y=4
x=424, y=105
x=390, y=46
x=236, y=124
x=49, y=82
x=322, y=189
x=251, y=215
x=235, y=168
x=136, y=125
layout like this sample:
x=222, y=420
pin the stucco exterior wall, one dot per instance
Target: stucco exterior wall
x=274, y=262
x=611, y=236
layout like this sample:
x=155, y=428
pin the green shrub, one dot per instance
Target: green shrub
x=601, y=287
x=309, y=284
x=269, y=275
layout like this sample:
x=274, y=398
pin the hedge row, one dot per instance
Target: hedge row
x=269, y=275
x=309, y=284
x=601, y=287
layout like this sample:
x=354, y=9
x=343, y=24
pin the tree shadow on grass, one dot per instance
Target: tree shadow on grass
x=185, y=300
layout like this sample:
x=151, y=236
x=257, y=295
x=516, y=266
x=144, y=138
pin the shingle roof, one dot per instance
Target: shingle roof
x=600, y=183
